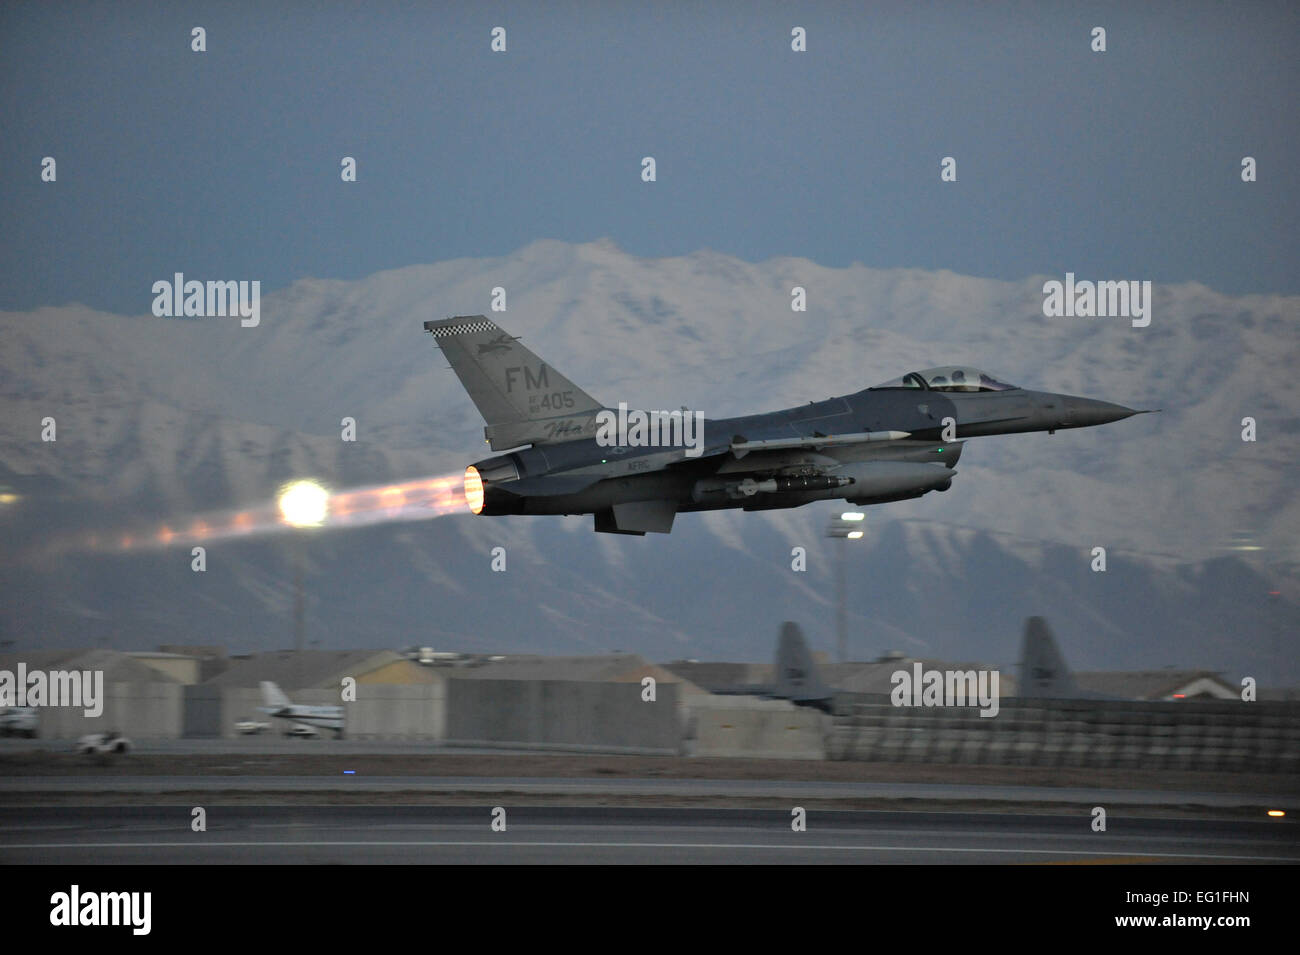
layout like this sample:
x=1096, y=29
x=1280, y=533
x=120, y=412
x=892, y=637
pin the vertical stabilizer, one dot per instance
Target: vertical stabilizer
x=1043, y=672
x=272, y=695
x=796, y=674
x=522, y=398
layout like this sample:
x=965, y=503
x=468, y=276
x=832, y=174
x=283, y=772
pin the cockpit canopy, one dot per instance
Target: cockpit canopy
x=949, y=378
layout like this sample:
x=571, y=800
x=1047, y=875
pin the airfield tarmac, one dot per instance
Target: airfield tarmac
x=442, y=835
x=271, y=800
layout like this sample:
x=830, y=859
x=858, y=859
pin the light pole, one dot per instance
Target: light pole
x=847, y=527
x=303, y=504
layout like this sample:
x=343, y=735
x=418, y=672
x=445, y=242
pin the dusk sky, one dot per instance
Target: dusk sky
x=226, y=164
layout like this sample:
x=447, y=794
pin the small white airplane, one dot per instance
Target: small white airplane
x=281, y=707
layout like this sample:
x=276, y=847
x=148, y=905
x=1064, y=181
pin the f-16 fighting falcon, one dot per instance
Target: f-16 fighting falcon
x=636, y=470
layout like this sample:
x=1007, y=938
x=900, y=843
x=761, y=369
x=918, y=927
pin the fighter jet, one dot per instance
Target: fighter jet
x=635, y=471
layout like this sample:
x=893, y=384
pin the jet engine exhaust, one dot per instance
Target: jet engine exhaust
x=416, y=500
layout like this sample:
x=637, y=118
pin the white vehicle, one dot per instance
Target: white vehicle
x=18, y=721
x=247, y=726
x=429, y=657
x=303, y=730
x=281, y=707
x=103, y=744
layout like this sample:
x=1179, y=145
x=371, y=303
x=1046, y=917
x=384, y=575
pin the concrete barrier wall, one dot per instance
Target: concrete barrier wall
x=397, y=711
x=1260, y=737
x=611, y=717
x=739, y=726
x=577, y=715
x=136, y=710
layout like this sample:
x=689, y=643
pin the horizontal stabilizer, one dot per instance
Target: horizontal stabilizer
x=637, y=517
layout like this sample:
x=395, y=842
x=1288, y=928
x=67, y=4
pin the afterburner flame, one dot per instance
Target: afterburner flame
x=474, y=489
x=304, y=504
x=301, y=505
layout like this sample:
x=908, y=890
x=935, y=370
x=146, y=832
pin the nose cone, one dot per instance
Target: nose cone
x=1085, y=412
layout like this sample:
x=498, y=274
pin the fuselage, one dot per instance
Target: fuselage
x=935, y=423
x=326, y=717
x=635, y=471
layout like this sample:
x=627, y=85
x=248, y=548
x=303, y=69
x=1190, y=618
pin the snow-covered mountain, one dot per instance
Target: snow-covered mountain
x=159, y=417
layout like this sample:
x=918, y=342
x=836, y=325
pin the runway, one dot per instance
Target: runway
x=793, y=790
x=536, y=835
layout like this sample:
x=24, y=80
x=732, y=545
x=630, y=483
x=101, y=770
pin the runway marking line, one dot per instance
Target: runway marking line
x=616, y=845
x=1110, y=860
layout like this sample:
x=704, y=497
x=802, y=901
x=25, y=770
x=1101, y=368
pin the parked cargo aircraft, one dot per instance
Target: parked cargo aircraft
x=797, y=679
x=1043, y=672
x=280, y=706
x=634, y=471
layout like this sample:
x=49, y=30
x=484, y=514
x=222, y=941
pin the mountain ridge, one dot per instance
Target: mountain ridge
x=162, y=416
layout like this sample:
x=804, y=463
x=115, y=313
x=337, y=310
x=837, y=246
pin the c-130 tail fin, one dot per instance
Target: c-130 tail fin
x=797, y=678
x=1043, y=672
